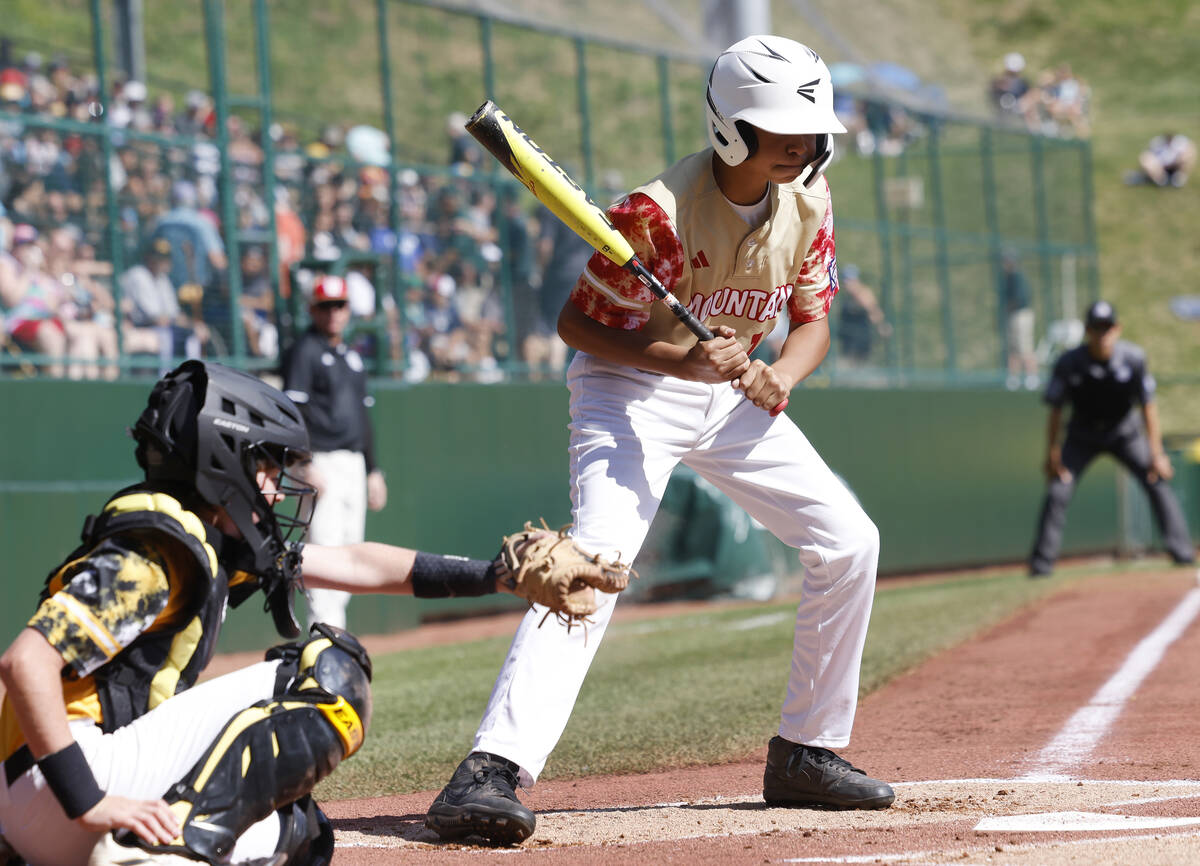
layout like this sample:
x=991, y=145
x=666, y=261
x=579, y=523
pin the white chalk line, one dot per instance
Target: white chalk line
x=1165, y=783
x=1078, y=822
x=1137, y=801
x=909, y=857
x=1079, y=736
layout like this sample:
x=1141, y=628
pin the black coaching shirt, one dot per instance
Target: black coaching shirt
x=329, y=384
x=1102, y=394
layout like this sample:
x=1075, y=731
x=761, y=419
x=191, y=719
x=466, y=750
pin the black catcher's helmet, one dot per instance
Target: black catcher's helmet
x=209, y=429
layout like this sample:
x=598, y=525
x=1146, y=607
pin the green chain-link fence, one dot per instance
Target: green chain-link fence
x=272, y=136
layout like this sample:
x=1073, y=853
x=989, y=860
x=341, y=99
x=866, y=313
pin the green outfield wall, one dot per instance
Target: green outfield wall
x=951, y=477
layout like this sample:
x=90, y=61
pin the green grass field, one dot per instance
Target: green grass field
x=673, y=692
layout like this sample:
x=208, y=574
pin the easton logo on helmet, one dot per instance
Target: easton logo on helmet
x=232, y=425
x=806, y=90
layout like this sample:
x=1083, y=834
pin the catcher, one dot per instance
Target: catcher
x=101, y=728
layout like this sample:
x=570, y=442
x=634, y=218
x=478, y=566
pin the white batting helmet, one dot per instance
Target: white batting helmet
x=775, y=84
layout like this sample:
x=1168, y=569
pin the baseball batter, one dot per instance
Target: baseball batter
x=739, y=233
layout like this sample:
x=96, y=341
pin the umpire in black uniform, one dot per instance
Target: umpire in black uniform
x=1103, y=379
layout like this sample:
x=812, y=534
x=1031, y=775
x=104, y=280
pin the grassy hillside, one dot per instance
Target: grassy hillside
x=1141, y=63
x=1138, y=58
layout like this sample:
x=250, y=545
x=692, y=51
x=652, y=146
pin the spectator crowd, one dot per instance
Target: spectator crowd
x=449, y=273
x=1056, y=102
x=454, y=248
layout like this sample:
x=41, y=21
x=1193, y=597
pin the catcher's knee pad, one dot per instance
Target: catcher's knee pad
x=273, y=753
x=331, y=661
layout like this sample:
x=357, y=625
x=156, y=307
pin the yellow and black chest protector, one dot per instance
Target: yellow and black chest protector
x=169, y=655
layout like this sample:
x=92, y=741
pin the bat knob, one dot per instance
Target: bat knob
x=783, y=404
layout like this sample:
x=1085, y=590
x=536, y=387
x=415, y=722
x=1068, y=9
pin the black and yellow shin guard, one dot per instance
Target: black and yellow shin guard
x=273, y=753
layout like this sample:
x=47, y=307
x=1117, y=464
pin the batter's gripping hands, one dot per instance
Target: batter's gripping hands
x=548, y=568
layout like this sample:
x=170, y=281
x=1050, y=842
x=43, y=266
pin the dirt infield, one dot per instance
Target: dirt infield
x=1067, y=734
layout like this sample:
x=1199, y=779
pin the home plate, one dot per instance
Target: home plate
x=1082, y=821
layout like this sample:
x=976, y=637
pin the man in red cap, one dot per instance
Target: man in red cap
x=327, y=379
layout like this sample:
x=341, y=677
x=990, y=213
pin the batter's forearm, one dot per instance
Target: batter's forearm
x=631, y=348
x=803, y=351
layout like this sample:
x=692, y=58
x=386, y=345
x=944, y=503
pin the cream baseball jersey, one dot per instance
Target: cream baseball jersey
x=688, y=234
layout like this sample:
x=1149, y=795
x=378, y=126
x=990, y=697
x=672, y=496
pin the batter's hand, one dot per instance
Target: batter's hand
x=763, y=385
x=721, y=359
x=152, y=820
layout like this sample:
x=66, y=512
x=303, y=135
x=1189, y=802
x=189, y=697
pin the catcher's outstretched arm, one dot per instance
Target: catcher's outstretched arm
x=373, y=567
x=361, y=568
x=537, y=564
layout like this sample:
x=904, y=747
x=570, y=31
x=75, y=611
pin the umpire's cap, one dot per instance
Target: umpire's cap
x=1100, y=316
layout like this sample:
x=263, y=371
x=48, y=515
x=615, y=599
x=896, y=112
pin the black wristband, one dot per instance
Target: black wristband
x=436, y=576
x=71, y=779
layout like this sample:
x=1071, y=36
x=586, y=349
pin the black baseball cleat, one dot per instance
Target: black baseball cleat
x=481, y=800
x=811, y=776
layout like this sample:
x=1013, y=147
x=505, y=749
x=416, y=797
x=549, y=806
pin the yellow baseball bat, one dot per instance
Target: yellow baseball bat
x=568, y=201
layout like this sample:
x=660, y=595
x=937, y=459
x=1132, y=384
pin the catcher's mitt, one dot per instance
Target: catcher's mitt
x=547, y=567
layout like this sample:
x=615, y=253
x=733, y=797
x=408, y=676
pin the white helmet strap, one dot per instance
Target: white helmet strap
x=821, y=158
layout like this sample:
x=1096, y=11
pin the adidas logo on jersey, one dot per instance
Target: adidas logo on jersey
x=699, y=261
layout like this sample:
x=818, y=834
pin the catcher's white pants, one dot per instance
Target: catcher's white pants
x=340, y=517
x=628, y=430
x=141, y=761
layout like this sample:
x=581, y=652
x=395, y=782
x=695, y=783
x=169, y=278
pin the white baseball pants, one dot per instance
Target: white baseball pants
x=629, y=429
x=141, y=761
x=340, y=517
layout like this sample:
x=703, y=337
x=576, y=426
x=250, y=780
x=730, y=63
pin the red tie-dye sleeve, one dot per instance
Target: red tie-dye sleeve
x=610, y=294
x=816, y=284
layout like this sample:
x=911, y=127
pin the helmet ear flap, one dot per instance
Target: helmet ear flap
x=749, y=136
x=725, y=137
x=821, y=159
